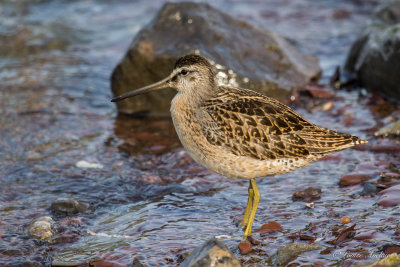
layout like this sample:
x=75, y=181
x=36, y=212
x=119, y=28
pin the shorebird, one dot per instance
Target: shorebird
x=240, y=133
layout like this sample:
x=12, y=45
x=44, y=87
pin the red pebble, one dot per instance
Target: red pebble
x=269, y=227
x=245, y=247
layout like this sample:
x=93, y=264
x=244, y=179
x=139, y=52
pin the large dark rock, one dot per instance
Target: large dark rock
x=242, y=55
x=213, y=252
x=374, y=59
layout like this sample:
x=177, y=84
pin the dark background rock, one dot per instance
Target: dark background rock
x=243, y=56
x=374, y=59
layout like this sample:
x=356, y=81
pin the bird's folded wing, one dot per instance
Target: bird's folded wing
x=252, y=125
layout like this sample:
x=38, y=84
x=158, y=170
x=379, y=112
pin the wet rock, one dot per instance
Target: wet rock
x=353, y=179
x=253, y=241
x=392, y=260
x=245, y=247
x=242, y=55
x=389, y=176
x=291, y=251
x=344, y=235
x=68, y=206
x=42, y=228
x=374, y=59
x=213, y=252
x=319, y=92
x=390, y=130
x=389, y=197
x=136, y=263
x=269, y=228
x=369, y=190
x=391, y=248
x=307, y=195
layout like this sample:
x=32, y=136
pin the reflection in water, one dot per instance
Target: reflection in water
x=150, y=199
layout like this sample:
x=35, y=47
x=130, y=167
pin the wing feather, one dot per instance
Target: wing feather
x=250, y=124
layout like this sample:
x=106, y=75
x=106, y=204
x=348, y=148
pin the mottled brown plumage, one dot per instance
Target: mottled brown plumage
x=240, y=133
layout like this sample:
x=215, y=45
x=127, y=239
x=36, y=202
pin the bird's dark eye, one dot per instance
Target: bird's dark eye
x=184, y=72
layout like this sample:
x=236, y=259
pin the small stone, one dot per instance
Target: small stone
x=253, y=241
x=68, y=206
x=42, y=228
x=213, y=252
x=319, y=92
x=328, y=106
x=87, y=165
x=345, y=220
x=389, y=176
x=353, y=179
x=389, y=197
x=310, y=205
x=392, y=129
x=369, y=190
x=245, y=247
x=391, y=248
x=344, y=235
x=291, y=251
x=269, y=227
x=307, y=195
x=136, y=263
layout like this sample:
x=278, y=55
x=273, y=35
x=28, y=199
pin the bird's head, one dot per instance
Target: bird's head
x=192, y=75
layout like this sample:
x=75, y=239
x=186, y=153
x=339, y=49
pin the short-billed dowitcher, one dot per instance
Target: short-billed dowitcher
x=240, y=133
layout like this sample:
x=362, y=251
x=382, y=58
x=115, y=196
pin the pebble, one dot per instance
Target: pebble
x=213, y=252
x=353, y=179
x=291, y=251
x=87, y=165
x=269, y=227
x=345, y=220
x=307, y=195
x=42, y=228
x=253, y=241
x=68, y=206
x=389, y=197
x=319, y=92
x=369, y=190
x=245, y=247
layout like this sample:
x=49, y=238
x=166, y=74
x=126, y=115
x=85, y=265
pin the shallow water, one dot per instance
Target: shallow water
x=150, y=200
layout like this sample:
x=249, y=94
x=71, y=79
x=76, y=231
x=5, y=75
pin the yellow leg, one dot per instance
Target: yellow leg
x=248, y=208
x=256, y=199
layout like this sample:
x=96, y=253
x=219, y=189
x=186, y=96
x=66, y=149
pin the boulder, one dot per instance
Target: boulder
x=213, y=252
x=242, y=55
x=374, y=59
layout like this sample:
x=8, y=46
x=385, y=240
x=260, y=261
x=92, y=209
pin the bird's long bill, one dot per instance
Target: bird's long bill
x=152, y=87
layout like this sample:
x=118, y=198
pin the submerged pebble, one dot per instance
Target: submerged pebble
x=42, y=228
x=353, y=179
x=68, y=206
x=269, y=228
x=389, y=197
